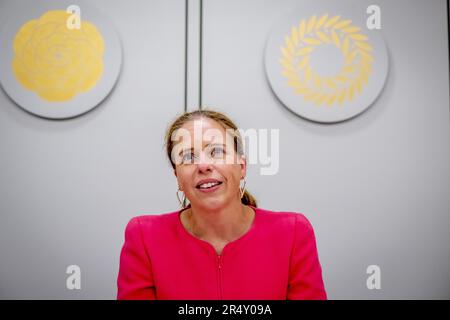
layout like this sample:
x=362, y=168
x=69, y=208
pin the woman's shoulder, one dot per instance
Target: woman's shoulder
x=147, y=221
x=287, y=219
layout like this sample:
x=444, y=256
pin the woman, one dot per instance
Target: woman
x=221, y=245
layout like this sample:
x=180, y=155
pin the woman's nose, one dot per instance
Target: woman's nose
x=204, y=162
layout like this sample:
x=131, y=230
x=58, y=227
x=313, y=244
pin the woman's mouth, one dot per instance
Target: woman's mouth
x=209, y=187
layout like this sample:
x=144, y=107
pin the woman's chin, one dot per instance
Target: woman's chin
x=213, y=204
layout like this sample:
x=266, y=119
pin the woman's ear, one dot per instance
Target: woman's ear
x=243, y=164
x=175, y=173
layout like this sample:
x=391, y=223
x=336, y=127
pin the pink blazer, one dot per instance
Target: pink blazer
x=276, y=259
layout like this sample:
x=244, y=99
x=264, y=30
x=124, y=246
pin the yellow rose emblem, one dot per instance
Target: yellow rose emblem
x=57, y=62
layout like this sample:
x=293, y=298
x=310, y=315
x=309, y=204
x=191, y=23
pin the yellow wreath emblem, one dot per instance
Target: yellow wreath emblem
x=301, y=43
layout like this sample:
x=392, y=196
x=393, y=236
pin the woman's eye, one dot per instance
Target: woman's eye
x=217, y=152
x=187, y=157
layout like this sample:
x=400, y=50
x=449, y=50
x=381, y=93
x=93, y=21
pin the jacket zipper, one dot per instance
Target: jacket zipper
x=219, y=260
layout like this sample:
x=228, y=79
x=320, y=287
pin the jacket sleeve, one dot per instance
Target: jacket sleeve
x=135, y=279
x=305, y=272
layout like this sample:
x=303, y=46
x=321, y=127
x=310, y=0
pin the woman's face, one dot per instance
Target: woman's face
x=204, y=152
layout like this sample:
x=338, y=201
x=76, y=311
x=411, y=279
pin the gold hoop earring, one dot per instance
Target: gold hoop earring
x=242, y=190
x=182, y=203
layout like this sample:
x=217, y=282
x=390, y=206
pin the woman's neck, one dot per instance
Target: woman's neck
x=221, y=225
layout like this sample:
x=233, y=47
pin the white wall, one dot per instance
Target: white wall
x=376, y=188
x=69, y=187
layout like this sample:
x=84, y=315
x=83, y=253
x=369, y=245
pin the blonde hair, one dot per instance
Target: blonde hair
x=223, y=120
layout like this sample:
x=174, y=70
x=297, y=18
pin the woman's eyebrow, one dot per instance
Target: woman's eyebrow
x=216, y=144
x=209, y=144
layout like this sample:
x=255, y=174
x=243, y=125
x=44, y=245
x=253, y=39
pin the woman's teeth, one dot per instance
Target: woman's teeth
x=208, y=185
